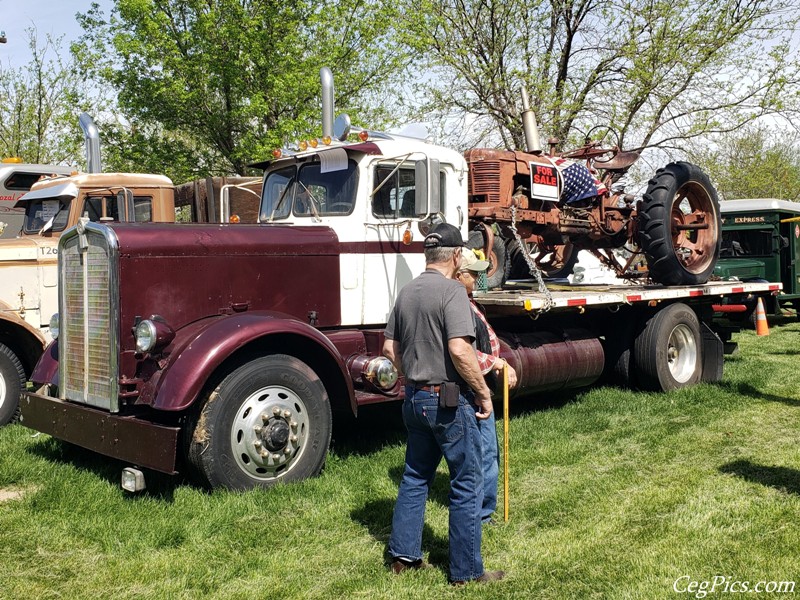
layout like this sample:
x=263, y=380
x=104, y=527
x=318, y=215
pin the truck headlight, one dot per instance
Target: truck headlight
x=145, y=335
x=152, y=333
x=381, y=373
x=54, y=325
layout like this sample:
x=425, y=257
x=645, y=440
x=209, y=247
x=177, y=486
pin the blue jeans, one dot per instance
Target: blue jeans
x=434, y=432
x=491, y=466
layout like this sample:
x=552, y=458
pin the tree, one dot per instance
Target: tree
x=39, y=107
x=757, y=162
x=659, y=72
x=225, y=81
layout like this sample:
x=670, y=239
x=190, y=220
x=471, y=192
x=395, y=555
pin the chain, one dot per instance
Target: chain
x=534, y=270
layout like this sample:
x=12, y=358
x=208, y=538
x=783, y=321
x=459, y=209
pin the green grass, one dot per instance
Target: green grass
x=614, y=494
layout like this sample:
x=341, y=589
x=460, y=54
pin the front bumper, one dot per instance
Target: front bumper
x=129, y=439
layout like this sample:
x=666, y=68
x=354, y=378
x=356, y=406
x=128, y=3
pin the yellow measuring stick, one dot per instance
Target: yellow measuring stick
x=505, y=442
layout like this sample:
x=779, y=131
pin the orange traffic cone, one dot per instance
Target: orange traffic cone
x=761, y=319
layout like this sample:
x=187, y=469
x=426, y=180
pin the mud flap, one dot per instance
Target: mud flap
x=712, y=354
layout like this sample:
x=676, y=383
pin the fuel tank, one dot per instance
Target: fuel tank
x=552, y=360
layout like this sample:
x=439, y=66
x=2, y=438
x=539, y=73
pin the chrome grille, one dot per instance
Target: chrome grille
x=88, y=303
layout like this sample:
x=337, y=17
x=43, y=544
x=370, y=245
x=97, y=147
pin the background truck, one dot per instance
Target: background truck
x=761, y=242
x=227, y=350
x=16, y=179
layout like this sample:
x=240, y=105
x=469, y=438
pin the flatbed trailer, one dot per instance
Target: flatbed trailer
x=522, y=299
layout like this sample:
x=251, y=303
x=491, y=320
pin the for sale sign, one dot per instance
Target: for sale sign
x=544, y=182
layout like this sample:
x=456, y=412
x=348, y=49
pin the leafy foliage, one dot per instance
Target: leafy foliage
x=658, y=72
x=39, y=106
x=754, y=163
x=225, y=81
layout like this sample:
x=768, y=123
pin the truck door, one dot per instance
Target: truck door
x=790, y=232
x=393, y=233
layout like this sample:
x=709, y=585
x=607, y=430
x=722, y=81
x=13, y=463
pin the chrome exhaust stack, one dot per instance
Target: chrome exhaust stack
x=92, y=136
x=326, y=78
x=529, y=125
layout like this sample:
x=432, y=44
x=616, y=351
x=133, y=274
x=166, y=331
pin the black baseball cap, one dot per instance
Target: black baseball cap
x=444, y=235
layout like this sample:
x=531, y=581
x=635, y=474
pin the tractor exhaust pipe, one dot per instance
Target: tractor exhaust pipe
x=326, y=78
x=529, y=125
x=92, y=136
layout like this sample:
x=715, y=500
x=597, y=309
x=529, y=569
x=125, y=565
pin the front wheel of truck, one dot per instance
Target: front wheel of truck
x=268, y=421
x=12, y=381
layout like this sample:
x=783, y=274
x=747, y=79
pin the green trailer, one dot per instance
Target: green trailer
x=761, y=242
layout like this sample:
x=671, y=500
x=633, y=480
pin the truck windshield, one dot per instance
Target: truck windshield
x=309, y=192
x=746, y=242
x=39, y=212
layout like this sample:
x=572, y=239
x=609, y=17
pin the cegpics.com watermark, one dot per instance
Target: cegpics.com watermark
x=721, y=584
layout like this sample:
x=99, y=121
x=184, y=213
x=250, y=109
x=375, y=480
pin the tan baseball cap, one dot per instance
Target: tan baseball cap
x=470, y=262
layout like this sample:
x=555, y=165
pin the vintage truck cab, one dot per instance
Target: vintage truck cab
x=16, y=179
x=761, y=242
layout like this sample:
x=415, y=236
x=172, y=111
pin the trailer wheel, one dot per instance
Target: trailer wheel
x=667, y=353
x=12, y=382
x=269, y=421
x=555, y=262
x=495, y=274
x=679, y=225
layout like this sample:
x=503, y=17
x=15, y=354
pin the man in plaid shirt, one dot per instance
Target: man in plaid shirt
x=488, y=351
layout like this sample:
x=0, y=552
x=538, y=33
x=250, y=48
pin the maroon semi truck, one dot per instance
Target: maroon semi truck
x=228, y=350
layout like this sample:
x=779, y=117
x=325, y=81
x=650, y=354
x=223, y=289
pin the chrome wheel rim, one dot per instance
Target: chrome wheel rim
x=682, y=353
x=269, y=433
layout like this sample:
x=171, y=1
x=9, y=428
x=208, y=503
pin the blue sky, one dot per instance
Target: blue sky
x=54, y=17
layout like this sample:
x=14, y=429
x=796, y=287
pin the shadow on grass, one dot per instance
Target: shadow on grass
x=377, y=426
x=381, y=425
x=159, y=485
x=784, y=479
x=745, y=389
x=376, y=517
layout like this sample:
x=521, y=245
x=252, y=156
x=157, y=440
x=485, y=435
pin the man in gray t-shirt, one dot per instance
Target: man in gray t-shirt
x=429, y=311
x=429, y=338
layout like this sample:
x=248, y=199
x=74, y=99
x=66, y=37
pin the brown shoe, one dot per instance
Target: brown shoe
x=485, y=578
x=399, y=565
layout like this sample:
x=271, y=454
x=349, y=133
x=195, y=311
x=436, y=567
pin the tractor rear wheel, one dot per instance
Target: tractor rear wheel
x=679, y=225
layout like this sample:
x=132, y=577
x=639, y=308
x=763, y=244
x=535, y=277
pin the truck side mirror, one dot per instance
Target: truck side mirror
x=779, y=242
x=426, y=174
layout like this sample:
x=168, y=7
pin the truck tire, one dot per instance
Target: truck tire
x=268, y=421
x=495, y=274
x=668, y=351
x=557, y=263
x=12, y=382
x=679, y=196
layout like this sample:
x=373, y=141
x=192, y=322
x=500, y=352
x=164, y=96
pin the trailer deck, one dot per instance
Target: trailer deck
x=521, y=297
